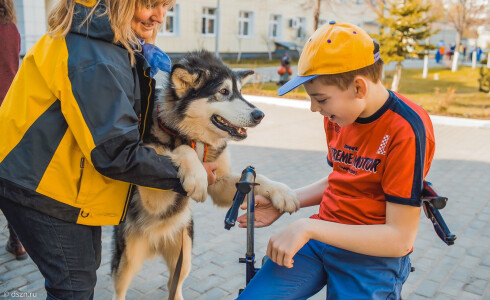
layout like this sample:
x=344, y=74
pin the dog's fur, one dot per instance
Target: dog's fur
x=199, y=88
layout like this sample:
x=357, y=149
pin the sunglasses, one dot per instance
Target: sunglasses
x=431, y=203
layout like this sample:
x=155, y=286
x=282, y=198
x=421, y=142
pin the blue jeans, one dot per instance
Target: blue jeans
x=68, y=255
x=348, y=275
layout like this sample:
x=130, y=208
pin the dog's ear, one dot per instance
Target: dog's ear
x=244, y=76
x=183, y=80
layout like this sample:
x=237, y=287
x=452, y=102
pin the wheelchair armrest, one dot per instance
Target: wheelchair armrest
x=430, y=195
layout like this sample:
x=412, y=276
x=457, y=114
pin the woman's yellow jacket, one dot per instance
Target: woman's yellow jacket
x=70, y=127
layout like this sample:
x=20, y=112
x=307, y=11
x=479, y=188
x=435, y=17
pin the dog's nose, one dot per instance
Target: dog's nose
x=257, y=115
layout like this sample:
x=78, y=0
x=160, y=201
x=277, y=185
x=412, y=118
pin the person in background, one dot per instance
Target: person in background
x=478, y=54
x=9, y=64
x=73, y=119
x=284, y=70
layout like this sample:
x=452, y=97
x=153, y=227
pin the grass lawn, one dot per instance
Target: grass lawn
x=453, y=94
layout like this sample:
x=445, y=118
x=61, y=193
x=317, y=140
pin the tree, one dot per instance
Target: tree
x=404, y=26
x=316, y=14
x=465, y=15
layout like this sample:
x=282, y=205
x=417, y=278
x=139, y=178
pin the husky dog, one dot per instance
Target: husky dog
x=200, y=109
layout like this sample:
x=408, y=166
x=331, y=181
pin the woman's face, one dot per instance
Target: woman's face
x=146, y=18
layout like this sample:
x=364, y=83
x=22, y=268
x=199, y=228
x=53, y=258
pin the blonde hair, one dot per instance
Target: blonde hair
x=119, y=12
x=7, y=12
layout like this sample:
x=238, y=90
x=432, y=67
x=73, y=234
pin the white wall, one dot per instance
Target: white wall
x=190, y=13
x=31, y=22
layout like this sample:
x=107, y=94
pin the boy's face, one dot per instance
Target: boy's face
x=341, y=107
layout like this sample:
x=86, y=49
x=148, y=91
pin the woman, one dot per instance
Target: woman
x=74, y=117
x=9, y=64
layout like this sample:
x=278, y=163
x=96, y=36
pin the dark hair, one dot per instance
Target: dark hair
x=7, y=12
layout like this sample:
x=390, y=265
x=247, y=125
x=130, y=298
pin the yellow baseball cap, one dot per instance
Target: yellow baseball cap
x=332, y=49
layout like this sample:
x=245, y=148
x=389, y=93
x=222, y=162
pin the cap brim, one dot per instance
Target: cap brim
x=294, y=83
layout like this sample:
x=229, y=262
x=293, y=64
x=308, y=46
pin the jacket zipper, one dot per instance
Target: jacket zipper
x=82, y=165
x=142, y=122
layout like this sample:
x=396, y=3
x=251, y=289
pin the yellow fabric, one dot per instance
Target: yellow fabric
x=102, y=200
x=89, y=3
x=336, y=48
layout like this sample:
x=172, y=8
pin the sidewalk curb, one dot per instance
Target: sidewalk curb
x=436, y=120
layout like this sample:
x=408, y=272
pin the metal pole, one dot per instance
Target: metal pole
x=250, y=222
x=216, y=41
x=250, y=255
x=473, y=59
x=426, y=66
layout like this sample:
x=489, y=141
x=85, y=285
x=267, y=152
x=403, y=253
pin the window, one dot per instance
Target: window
x=275, y=26
x=300, y=30
x=245, y=24
x=171, y=23
x=208, y=27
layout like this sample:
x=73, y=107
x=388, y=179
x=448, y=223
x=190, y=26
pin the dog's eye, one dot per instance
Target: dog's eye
x=224, y=92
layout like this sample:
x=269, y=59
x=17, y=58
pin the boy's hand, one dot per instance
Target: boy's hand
x=284, y=245
x=210, y=168
x=265, y=213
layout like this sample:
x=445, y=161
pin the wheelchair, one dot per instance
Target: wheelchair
x=432, y=202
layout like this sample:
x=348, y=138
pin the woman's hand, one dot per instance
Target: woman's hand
x=284, y=245
x=211, y=170
x=265, y=213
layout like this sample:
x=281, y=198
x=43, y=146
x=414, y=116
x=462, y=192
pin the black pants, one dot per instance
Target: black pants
x=68, y=255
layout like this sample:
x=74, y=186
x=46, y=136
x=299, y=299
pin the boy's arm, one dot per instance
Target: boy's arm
x=266, y=214
x=311, y=195
x=393, y=239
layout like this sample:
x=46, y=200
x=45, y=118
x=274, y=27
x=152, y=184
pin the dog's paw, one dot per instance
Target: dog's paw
x=192, y=174
x=283, y=198
x=195, y=183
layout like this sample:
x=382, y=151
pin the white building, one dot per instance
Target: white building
x=31, y=21
x=249, y=28
x=252, y=27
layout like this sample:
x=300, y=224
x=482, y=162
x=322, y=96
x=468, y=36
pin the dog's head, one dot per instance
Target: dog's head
x=205, y=100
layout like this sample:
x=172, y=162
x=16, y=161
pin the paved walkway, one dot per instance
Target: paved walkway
x=289, y=146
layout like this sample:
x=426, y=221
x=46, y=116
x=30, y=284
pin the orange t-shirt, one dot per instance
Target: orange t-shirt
x=381, y=158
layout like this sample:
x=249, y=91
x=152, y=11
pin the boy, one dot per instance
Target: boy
x=380, y=146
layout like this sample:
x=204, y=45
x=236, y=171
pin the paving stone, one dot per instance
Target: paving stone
x=33, y=276
x=452, y=287
x=155, y=294
x=208, y=283
x=468, y=296
x=476, y=286
x=13, y=273
x=478, y=251
x=461, y=274
x=442, y=296
x=482, y=272
x=213, y=294
x=417, y=297
x=427, y=288
x=33, y=286
x=11, y=284
x=102, y=294
x=151, y=284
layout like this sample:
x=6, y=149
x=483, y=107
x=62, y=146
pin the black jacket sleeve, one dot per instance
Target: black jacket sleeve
x=105, y=96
